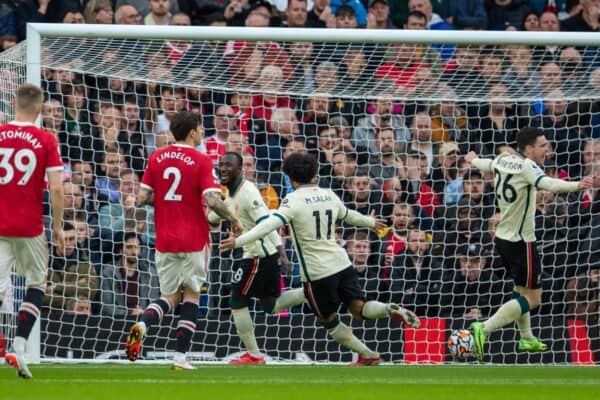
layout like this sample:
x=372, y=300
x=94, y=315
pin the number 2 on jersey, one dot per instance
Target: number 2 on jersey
x=317, y=216
x=176, y=173
x=24, y=161
x=505, y=190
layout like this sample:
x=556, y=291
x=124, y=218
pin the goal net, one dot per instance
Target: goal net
x=389, y=116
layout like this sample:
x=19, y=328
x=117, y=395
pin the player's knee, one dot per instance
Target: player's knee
x=330, y=322
x=237, y=302
x=355, y=308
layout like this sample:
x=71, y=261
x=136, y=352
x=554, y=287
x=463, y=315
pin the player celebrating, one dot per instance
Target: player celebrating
x=518, y=176
x=257, y=273
x=27, y=154
x=176, y=179
x=327, y=273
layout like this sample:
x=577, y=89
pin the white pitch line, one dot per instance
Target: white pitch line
x=353, y=380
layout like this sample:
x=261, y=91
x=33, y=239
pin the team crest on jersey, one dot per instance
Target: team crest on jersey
x=255, y=204
x=538, y=171
x=285, y=203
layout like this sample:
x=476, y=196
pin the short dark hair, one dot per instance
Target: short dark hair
x=345, y=10
x=238, y=158
x=182, y=123
x=416, y=14
x=300, y=167
x=67, y=226
x=527, y=136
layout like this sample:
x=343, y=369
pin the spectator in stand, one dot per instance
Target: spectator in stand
x=285, y=127
x=491, y=68
x=444, y=168
x=415, y=20
x=295, y=14
x=563, y=135
x=132, y=134
x=357, y=76
x=126, y=14
x=303, y=75
x=531, y=23
x=496, y=125
x=463, y=14
x=471, y=289
x=315, y=117
x=7, y=19
x=393, y=240
x=504, y=13
x=143, y=6
x=326, y=77
x=98, y=12
x=87, y=237
x=379, y=15
x=343, y=126
x=73, y=16
x=401, y=65
x=328, y=143
x=449, y=121
x=106, y=131
x=344, y=167
x=573, y=71
x=216, y=144
x=587, y=20
x=270, y=82
x=237, y=143
x=83, y=175
x=359, y=252
x=74, y=200
x=268, y=192
x=434, y=21
x=117, y=218
x=345, y=17
x=476, y=188
x=521, y=78
x=421, y=137
x=414, y=185
x=416, y=277
x=383, y=164
x=365, y=132
x=171, y=101
x=321, y=15
x=130, y=284
x=462, y=74
x=53, y=121
x=71, y=275
x=584, y=206
x=550, y=77
x=361, y=195
x=176, y=49
x=107, y=186
x=159, y=13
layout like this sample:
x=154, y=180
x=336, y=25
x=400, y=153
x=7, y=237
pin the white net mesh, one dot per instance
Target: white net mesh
x=389, y=124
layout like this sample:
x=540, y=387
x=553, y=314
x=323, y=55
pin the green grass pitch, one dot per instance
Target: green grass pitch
x=219, y=382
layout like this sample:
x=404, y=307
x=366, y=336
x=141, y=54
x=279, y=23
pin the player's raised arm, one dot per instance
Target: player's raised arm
x=481, y=164
x=357, y=219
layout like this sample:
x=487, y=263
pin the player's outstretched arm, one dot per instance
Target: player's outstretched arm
x=215, y=202
x=559, y=186
x=357, y=219
x=481, y=164
x=261, y=230
x=57, y=201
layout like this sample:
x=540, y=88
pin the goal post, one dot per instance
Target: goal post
x=439, y=93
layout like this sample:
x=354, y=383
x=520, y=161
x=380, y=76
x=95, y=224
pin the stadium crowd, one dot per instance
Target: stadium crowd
x=398, y=157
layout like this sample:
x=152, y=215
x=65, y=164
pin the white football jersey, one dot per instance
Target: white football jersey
x=311, y=213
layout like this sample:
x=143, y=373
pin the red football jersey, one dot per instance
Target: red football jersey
x=179, y=175
x=26, y=153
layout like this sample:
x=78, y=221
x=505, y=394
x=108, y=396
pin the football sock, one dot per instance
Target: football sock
x=289, y=298
x=509, y=312
x=179, y=358
x=19, y=345
x=154, y=313
x=344, y=336
x=188, y=314
x=245, y=330
x=29, y=312
x=524, y=323
x=374, y=310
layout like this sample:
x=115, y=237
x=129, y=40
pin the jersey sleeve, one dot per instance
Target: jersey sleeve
x=536, y=177
x=257, y=208
x=53, y=161
x=482, y=164
x=341, y=207
x=285, y=212
x=207, y=176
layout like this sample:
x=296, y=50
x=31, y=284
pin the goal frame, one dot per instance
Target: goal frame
x=36, y=32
